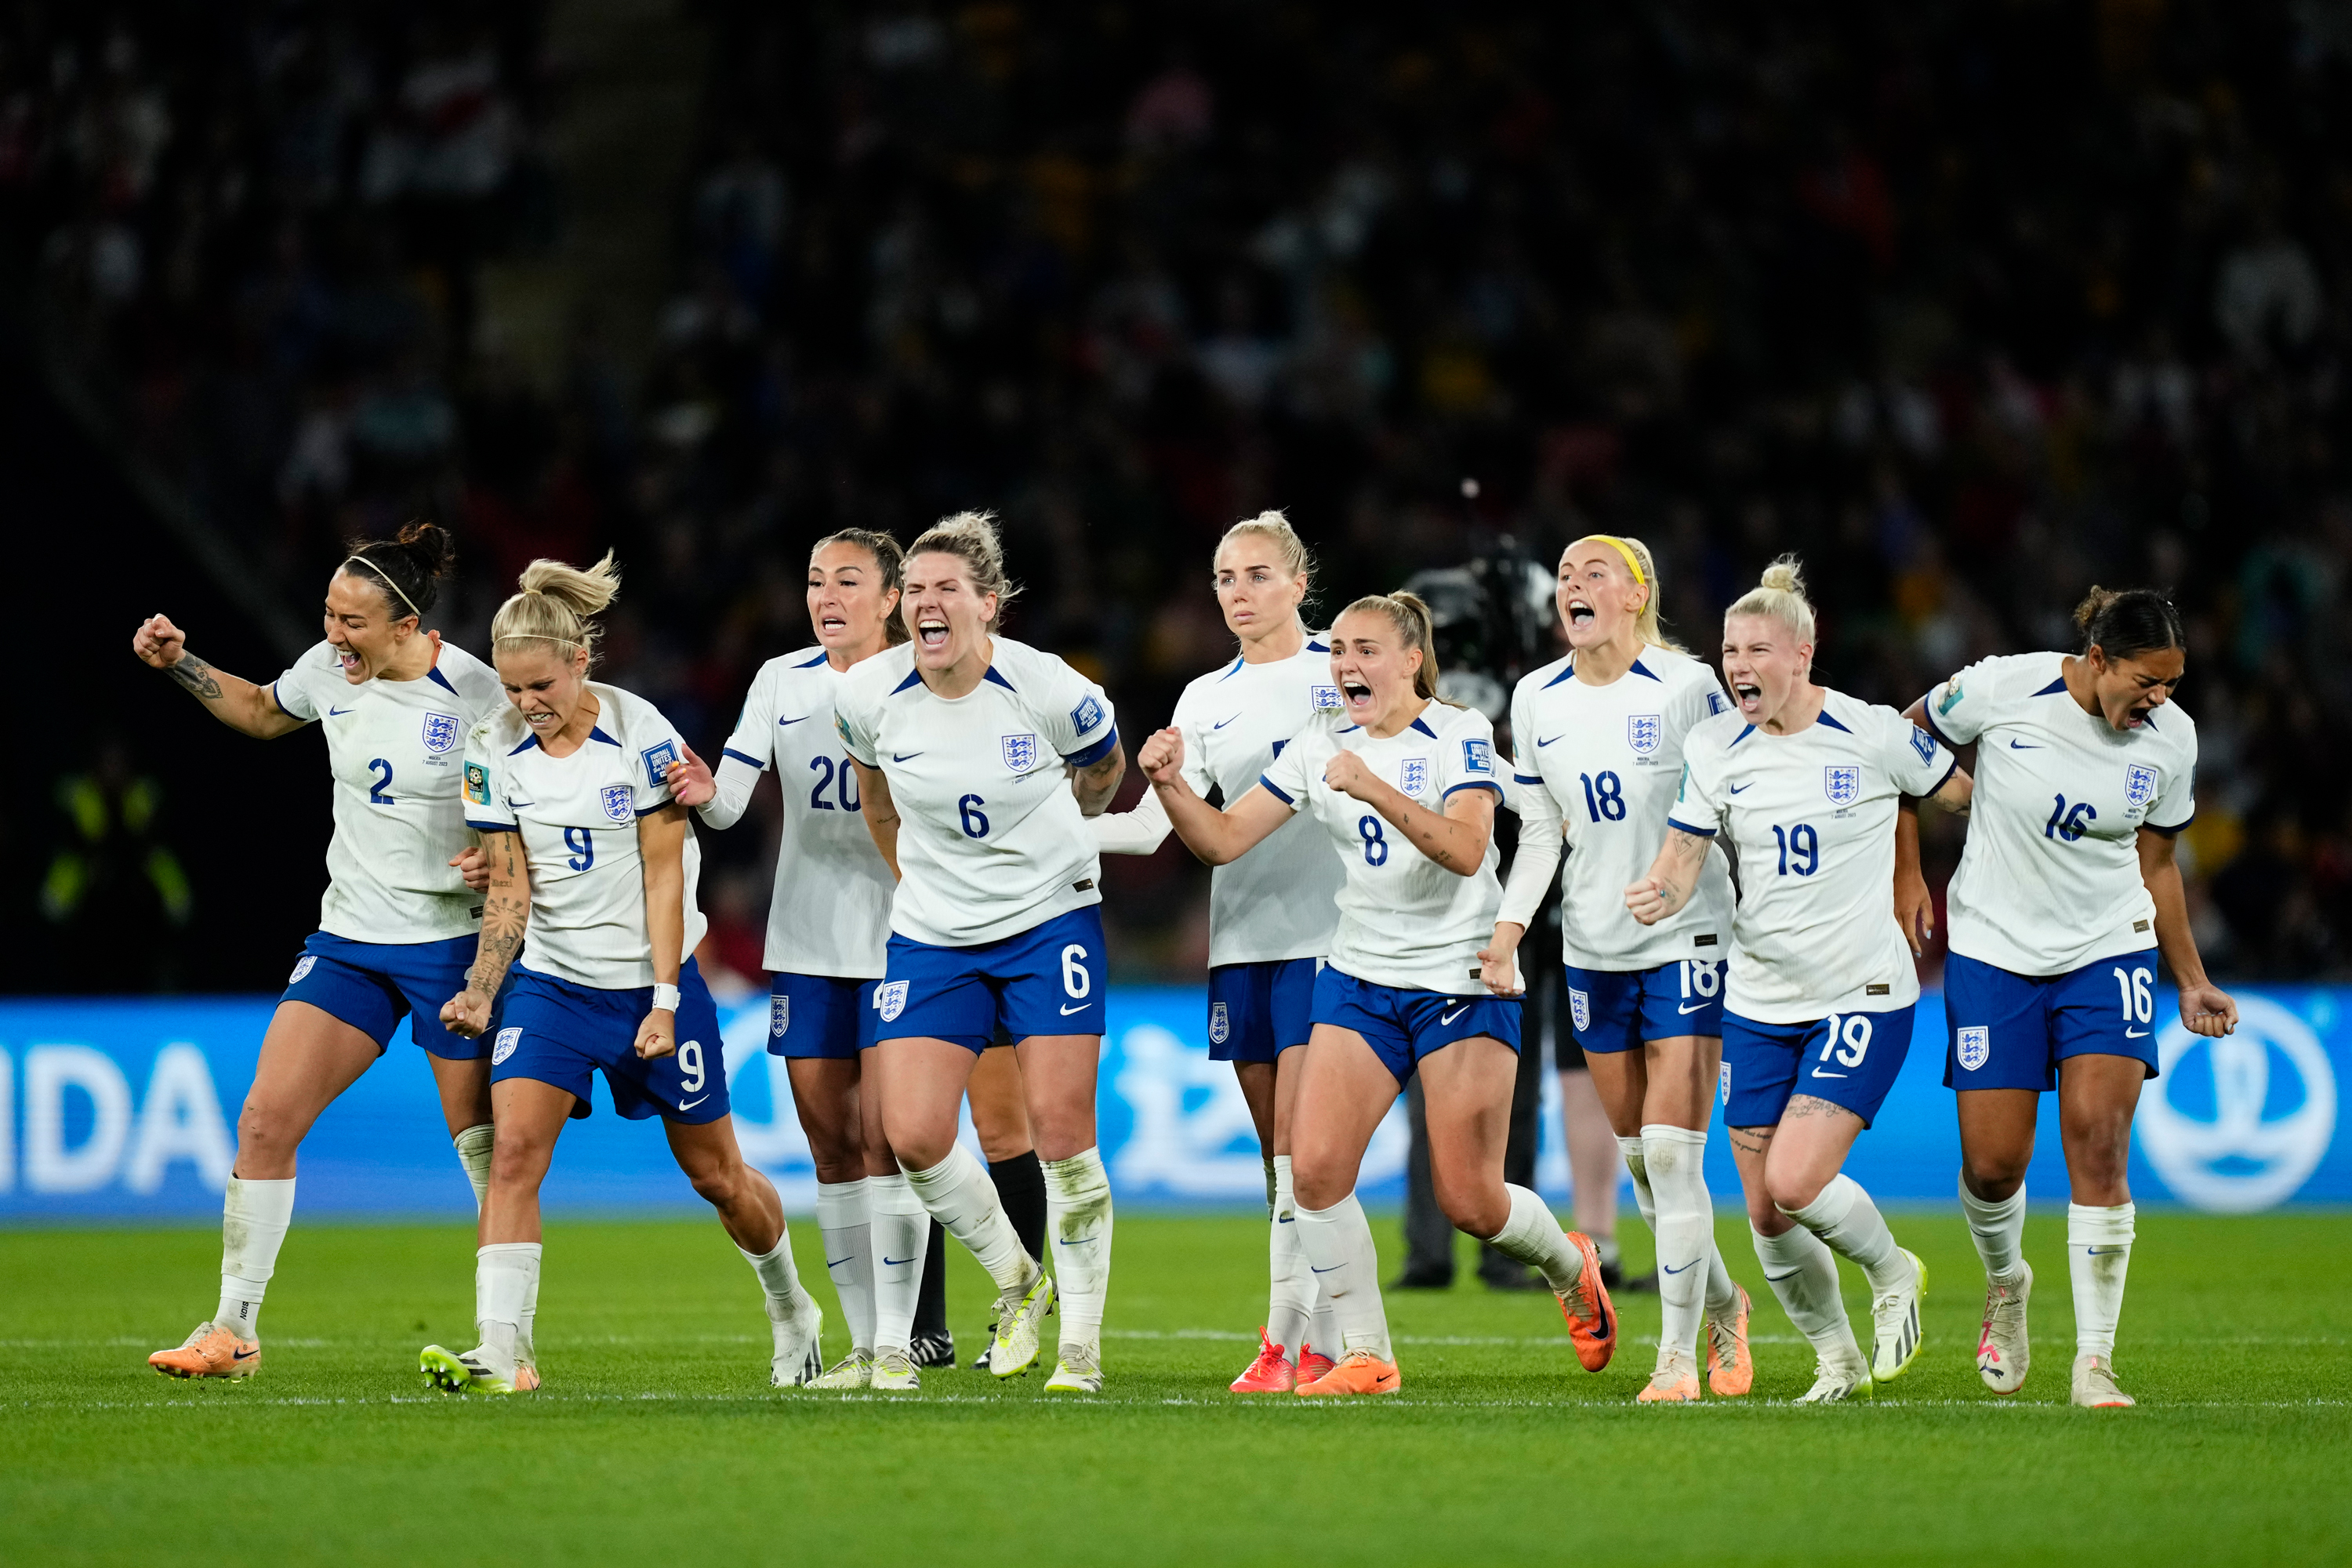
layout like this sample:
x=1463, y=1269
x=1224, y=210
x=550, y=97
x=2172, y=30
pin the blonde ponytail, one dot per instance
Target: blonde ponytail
x=1780, y=596
x=1415, y=627
x=554, y=606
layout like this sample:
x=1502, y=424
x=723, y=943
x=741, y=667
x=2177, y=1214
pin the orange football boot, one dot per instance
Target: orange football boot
x=1359, y=1372
x=1271, y=1373
x=1730, y=1368
x=211, y=1350
x=1674, y=1383
x=1591, y=1316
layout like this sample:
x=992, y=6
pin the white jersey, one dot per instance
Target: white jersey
x=1811, y=818
x=1404, y=920
x=397, y=750
x=831, y=914
x=1609, y=760
x=2050, y=879
x=990, y=839
x=578, y=818
x=1281, y=900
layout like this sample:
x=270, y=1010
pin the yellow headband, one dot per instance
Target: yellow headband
x=1632, y=561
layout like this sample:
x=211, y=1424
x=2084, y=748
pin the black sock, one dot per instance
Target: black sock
x=1021, y=1188
x=932, y=1306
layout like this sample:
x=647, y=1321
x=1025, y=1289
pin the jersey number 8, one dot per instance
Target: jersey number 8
x=1376, y=844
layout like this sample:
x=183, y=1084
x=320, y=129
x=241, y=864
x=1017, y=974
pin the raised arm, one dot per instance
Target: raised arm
x=1671, y=880
x=236, y=702
x=2205, y=1007
x=506, y=915
x=881, y=813
x=661, y=847
x=1215, y=837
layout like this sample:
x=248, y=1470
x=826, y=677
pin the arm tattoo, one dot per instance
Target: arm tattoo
x=1684, y=854
x=196, y=675
x=504, y=919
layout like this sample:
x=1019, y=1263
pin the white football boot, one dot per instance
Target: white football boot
x=798, y=1335
x=1017, y=1321
x=2004, y=1352
x=854, y=1370
x=1836, y=1382
x=1896, y=1316
x=2095, y=1384
x=1079, y=1371
x=894, y=1373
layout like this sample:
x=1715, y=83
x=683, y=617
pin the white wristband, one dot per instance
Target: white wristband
x=664, y=997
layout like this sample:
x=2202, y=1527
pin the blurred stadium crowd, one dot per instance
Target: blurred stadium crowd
x=1972, y=305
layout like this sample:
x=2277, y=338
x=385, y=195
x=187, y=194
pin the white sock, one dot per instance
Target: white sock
x=1999, y=1231
x=254, y=1217
x=1339, y=1243
x=842, y=1227
x=473, y=1146
x=1722, y=1291
x=901, y=1232
x=2098, y=1255
x=1844, y=1216
x=778, y=1278
x=506, y=1273
x=526, y=1350
x=958, y=1193
x=1290, y=1301
x=1802, y=1273
x=1530, y=1235
x=1078, y=1224
x=1324, y=1335
x=1685, y=1223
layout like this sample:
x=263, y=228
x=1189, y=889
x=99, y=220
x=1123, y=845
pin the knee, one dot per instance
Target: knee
x=1480, y=1213
x=263, y=1128
x=1314, y=1185
x=1993, y=1179
x=1790, y=1191
x=718, y=1184
x=514, y=1160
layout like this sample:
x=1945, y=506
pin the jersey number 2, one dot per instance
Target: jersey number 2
x=379, y=789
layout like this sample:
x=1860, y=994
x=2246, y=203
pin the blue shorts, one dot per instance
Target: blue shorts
x=2010, y=1031
x=820, y=1016
x=1611, y=1010
x=561, y=1034
x=1257, y=1011
x=371, y=985
x=1403, y=1026
x=1846, y=1059
x=1047, y=980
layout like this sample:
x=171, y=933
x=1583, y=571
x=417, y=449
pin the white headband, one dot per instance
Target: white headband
x=384, y=577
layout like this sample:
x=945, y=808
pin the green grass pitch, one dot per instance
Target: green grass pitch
x=657, y=1438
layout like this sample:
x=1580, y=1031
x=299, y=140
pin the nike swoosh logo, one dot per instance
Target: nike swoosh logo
x=782, y=723
x=837, y=1262
x=2021, y=746
x=2135, y=1034
x=1819, y=1073
x=1449, y=1017
x=245, y=1356
x=690, y=1104
x=1683, y=1269
x=908, y=757
x=337, y=713
x=1332, y=1269
x=890, y=1262
x=1542, y=744
x=1284, y=1218
x=1692, y=1006
x=1736, y=788
x=1079, y=1008
x=1223, y=725
x=1776, y=1279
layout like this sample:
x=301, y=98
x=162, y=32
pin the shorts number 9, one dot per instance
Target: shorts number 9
x=689, y=1067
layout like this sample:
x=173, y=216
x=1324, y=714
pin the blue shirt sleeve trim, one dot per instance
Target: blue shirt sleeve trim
x=731, y=752
x=489, y=826
x=1686, y=828
x=1928, y=713
x=1274, y=790
x=1947, y=778
x=649, y=810
x=2175, y=830
x=1095, y=752
x=1474, y=784
x=1522, y=778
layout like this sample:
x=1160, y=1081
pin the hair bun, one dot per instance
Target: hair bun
x=1783, y=576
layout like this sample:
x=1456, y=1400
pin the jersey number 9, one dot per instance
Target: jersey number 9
x=583, y=845
x=689, y=1067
